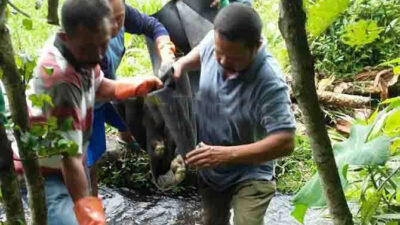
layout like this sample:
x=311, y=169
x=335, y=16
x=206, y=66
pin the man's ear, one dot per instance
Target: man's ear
x=257, y=47
x=63, y=36
x=260, y=42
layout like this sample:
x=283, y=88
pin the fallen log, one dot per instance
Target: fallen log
x=355, y=88
x=345, y=100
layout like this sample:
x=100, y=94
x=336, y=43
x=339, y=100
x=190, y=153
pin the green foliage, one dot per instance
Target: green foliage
x=365, y=168
x=20, y=222
x=27, y=23
x=354, y=151
x=132, y=170
x=46, y=139
x=294, y=171
x=322, y=14
x=147, y=7
x=395, y=64
x=269, y=13
x=361, y=33
x=25, y=64
x=136, y=60
x=369, y=205
x=333, y=56
x=49, y=70
x=29, y=34
x=40, y=100
x=299, y=212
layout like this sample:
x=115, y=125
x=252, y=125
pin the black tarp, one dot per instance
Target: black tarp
x=166, y=115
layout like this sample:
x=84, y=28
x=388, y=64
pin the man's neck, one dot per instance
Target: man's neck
x=230, y=75
x=65, y=52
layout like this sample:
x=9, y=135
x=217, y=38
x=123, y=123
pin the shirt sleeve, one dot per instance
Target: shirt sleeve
x=206, y=46
x=139, y=23
x=274, y=111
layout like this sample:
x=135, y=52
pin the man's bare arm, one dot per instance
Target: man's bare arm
x=75, y=176
x=189, y=62
x=274, y=146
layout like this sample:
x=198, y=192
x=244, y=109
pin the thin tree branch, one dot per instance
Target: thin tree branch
x=18, y=10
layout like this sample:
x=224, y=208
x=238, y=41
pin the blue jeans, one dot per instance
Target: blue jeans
x=60, y=207
x=97, y=144
x=246, y=2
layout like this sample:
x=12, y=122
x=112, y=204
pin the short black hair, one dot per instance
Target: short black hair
x=87, y=13
x=238, y=22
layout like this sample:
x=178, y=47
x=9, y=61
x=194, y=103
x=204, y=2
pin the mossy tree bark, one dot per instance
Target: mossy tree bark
x=9, y=186
x=15, y=89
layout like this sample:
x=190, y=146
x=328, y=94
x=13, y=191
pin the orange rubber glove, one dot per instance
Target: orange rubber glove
x=166, y=48
x=89, y=211
x=136, y=86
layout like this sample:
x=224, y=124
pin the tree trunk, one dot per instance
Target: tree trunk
x=9, y=185
x=52, y=12
x=292, y=25
x=16, y=96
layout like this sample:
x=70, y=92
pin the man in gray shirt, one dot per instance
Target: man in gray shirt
x=244, y=118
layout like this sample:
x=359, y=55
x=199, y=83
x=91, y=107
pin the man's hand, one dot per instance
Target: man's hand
x=164, y=68
x=136, y=86
x=207, y=156
x=189, y=62
x=178, y=70
x=89, y=211
x=215, y=3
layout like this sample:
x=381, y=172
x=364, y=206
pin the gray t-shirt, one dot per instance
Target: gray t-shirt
x=239, y=111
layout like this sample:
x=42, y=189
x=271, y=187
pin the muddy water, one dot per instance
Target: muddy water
x=125, y=207
x=128, y=207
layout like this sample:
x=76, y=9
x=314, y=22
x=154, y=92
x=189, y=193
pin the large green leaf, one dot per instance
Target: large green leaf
x=392, y=125
x=356, y=150
x=361, y=33
x=392, y=102
x=299, y=212
x=323, y=13
x=41, y=100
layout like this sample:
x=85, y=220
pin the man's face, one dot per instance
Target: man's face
x=233, y=56
x=118, y=16
x=88, y=47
